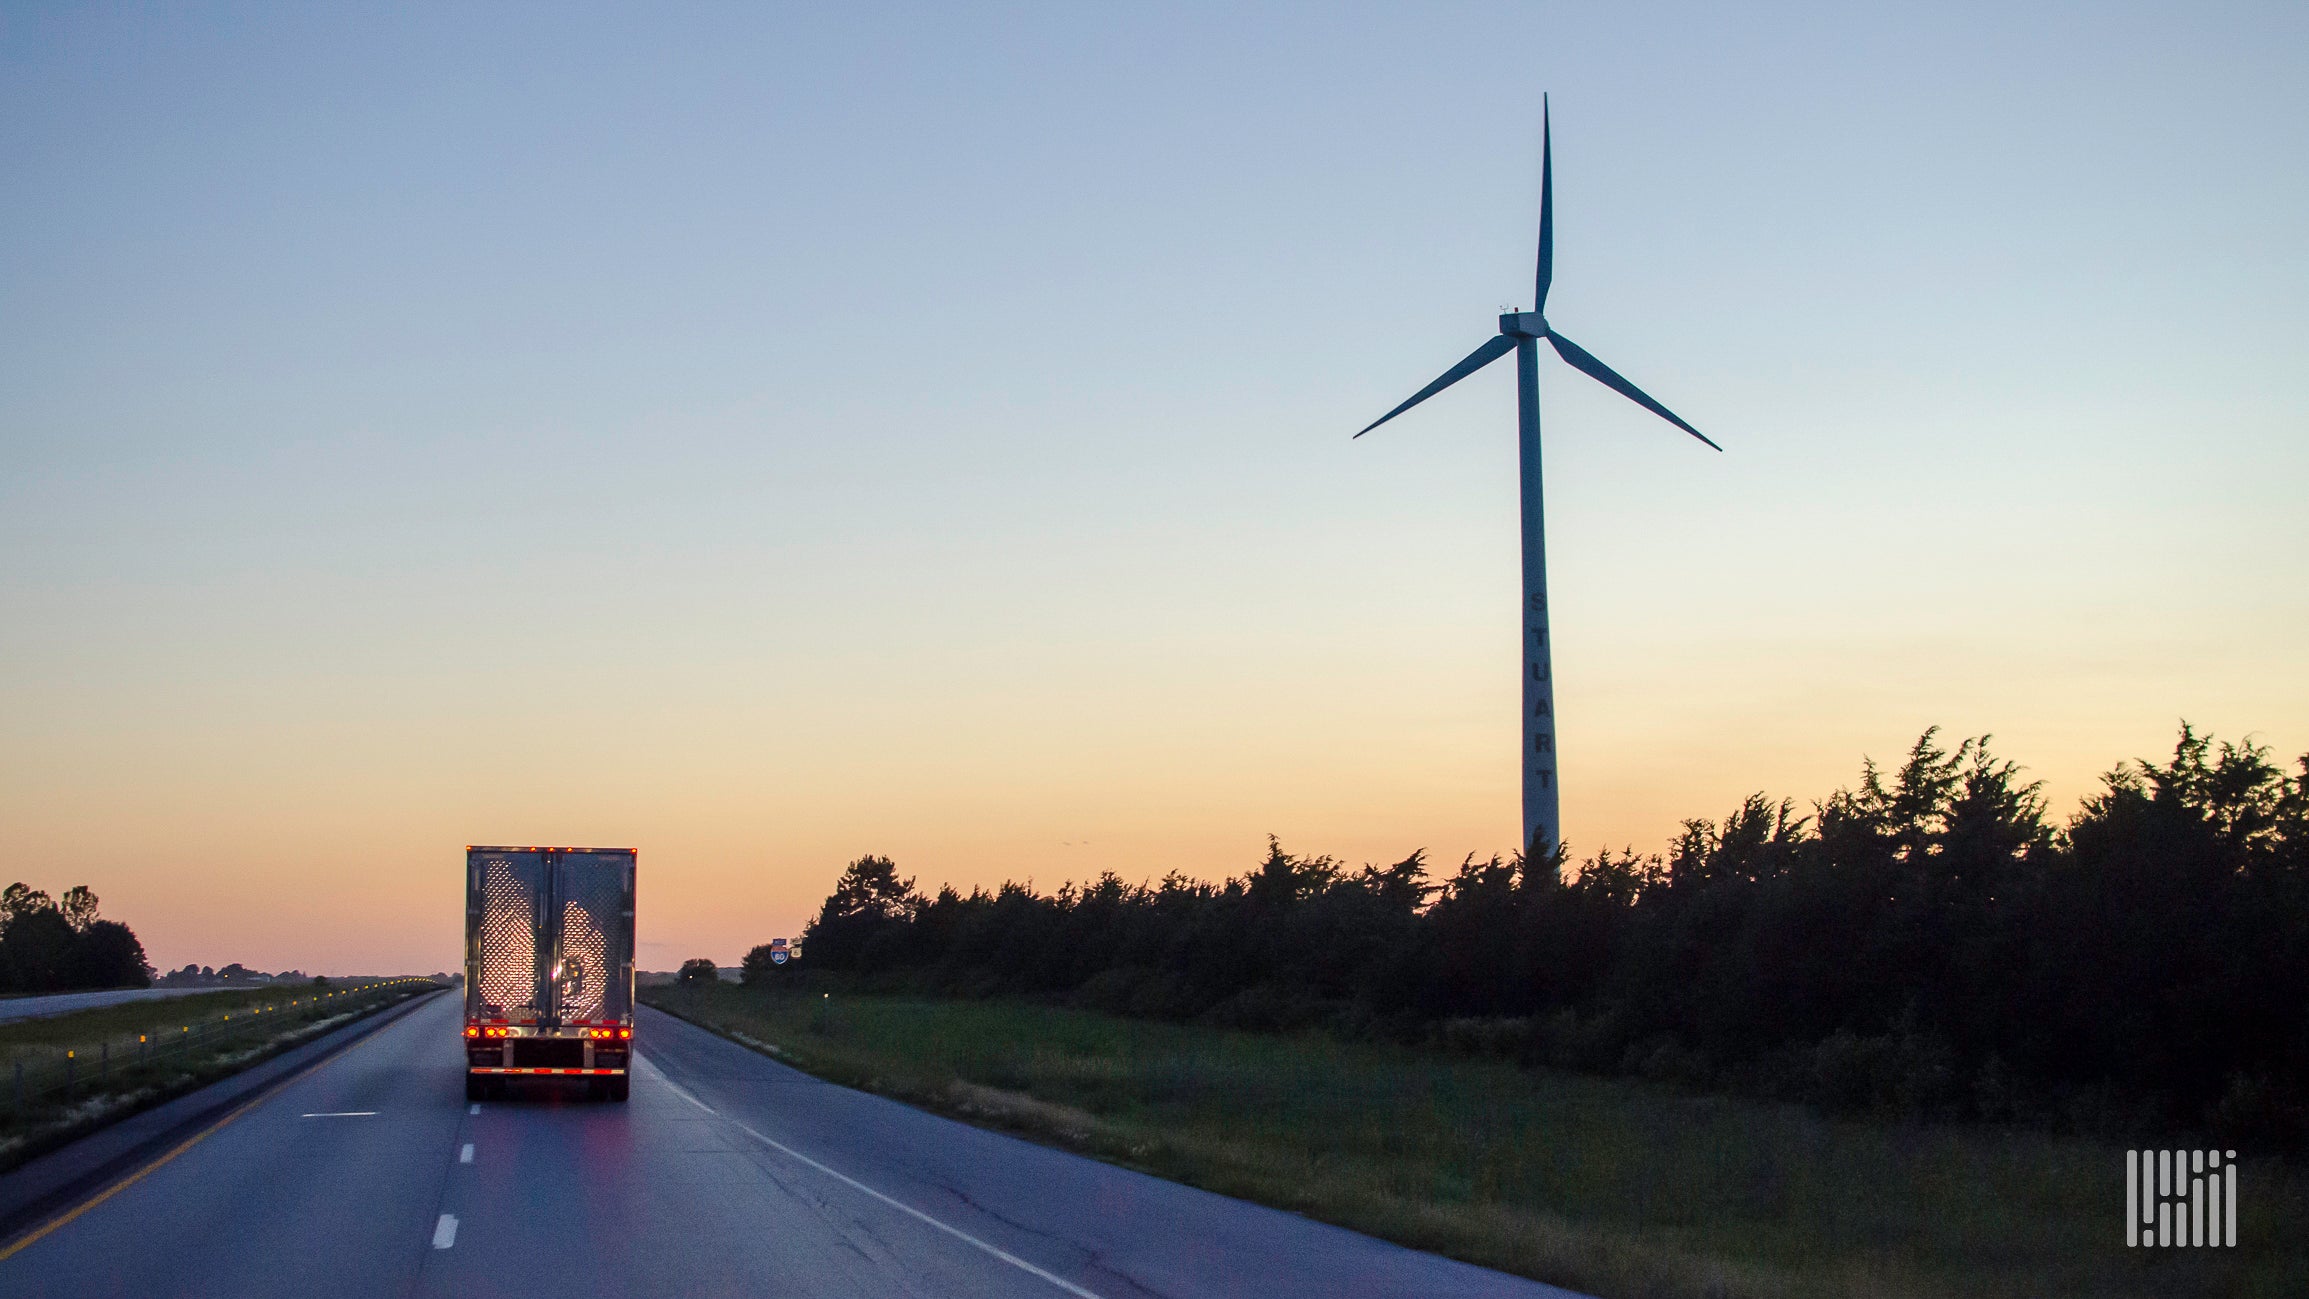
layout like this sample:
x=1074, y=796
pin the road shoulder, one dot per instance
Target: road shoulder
x=51, y=1183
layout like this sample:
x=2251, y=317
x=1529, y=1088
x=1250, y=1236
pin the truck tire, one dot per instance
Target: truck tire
x=474, y=1087
x=617, y=1087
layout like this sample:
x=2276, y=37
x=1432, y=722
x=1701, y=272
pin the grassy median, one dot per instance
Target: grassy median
x=1618, y=1188
x=66, y=1075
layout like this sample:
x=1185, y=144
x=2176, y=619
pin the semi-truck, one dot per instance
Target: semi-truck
x=548, y=969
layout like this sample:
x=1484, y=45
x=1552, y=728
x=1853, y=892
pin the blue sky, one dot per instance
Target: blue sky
x=766, y=434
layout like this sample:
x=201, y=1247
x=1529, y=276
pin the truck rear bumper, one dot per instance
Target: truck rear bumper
x=511, y=1070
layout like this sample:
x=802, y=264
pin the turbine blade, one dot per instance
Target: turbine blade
x=1546, y=212
x=1580, y=359
x=1499, y=346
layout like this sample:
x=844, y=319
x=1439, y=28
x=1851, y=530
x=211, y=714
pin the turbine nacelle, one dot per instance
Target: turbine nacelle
x=1523, y=324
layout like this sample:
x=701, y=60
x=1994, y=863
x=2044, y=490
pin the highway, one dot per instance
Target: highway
x=726, y=1174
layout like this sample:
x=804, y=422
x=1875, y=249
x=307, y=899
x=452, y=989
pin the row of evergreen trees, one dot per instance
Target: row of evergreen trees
x=60, y=945
x=1927, y=942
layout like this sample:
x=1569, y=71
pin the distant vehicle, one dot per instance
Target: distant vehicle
x=548, y=969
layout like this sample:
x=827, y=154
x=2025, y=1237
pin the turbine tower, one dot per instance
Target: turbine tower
x=1520, y=332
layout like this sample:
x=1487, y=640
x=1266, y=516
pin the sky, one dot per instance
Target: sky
x=761, y=435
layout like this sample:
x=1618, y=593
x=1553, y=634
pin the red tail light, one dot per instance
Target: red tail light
x=625, y=1032
x=472, y=1030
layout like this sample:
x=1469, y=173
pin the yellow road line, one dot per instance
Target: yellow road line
x=34, y=1236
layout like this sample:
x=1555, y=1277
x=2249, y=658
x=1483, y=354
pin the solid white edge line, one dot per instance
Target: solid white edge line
x=445, y=1231
x=465, y=1156
x=856, y=1185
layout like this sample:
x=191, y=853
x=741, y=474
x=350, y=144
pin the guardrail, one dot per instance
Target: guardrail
x=56, y=1077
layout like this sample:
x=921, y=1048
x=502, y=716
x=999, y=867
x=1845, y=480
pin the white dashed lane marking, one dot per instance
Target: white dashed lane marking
x=445, y=1231
x=342, y=1114
x=465, y=1156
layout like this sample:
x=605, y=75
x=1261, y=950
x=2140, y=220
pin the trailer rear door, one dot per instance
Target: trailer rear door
x=590, y=975
x=505, y=905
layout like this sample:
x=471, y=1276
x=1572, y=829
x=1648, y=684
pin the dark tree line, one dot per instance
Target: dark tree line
x=52, y=945
x=1926, y=942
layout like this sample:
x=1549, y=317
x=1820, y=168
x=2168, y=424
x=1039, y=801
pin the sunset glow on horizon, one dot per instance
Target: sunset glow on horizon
x=762, y=439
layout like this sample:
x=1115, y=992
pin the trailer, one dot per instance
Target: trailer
x=548, y=969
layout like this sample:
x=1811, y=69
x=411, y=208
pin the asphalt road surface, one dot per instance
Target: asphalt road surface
x=60, y=1003
x=726, y=1174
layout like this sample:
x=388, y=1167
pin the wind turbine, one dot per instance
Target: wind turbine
x=1520, y=332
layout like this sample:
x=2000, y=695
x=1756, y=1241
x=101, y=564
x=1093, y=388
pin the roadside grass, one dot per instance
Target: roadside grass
x=1619, y=1188
x=124, y=1020
x=188, y=1042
